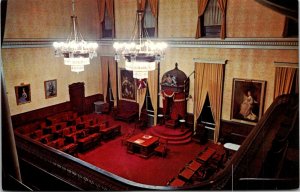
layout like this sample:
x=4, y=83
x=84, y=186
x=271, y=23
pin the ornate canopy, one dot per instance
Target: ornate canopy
x=174, y=80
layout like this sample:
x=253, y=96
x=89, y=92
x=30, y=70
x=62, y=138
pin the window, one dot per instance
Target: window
x=207, y=119
x=106, y=26
x=149, y=21
x=212, y=20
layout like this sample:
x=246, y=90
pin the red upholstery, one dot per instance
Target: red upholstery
x=162, y=149
x=110, y=132
x=88, y=141
x=67, y=116
x=29, y=128
x=60, y=144
x=126, y=110
x=36, y=134
x=46, y=138
x=171, y=123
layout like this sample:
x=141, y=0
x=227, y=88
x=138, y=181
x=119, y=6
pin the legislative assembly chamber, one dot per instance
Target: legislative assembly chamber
x=134, y=95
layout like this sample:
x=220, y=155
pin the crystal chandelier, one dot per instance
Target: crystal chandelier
x=142, y=54
x=75, y=50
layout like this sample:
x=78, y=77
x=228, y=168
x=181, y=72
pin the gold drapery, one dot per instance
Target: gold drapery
x=108, y=65
x=215, y=90
x=140, y=98
x=113, y=77
x=284, y=77
x=154, y=9
x=201, y=8
x=110, y=10
x=104, y=72
x=153, y=91
x=200, y=90
x=222, y=6
x=209, y=80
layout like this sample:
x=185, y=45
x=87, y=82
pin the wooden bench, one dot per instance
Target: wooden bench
x=88, y=141
x=110, y=132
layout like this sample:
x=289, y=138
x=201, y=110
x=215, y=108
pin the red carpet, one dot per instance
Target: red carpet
x=113, y=157
x=173, y=135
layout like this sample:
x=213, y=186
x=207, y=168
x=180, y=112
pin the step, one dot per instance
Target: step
x=173, y=137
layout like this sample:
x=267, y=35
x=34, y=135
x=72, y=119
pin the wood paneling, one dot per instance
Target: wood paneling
x=89, y=103
x=41, y=114
x=234, y=132
x=77, y=94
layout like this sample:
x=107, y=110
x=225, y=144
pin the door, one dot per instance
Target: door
x=77, y=97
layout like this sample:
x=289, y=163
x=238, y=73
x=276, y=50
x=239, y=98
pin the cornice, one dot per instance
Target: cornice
x=228, y=43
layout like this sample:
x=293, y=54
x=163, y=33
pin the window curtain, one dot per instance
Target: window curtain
x=212, y=14
x=215, y=90
x=200, y=90
x=202, y=4
x=141, y=95
x=201, y=8
x=209, y=80
x=109, y=5
x=113, y=77
x=154, y=10
x=284, y=77
x=153, y=91
x=141, y=4
x=104, y=71
x=222, y=6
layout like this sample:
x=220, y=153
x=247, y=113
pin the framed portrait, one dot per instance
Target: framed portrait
x=23, y=94
x=50, y=88
x=247, y=100
x=127, y=85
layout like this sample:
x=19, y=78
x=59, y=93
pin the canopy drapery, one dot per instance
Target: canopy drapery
x=176, y=105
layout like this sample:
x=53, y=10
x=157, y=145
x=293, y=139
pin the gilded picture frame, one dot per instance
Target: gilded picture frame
x=247, y=100
x=127, y=85
x=50, y=87
x=23, y=94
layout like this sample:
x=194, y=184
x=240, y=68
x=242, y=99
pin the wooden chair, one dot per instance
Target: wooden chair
x=162, y=149
x=217, y=161
x=142, y=122
x=127, y=136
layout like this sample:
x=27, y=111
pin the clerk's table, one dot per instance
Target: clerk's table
x=142, y=144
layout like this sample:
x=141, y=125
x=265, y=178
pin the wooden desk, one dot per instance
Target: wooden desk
x=142, y=144
x=206, y=155
x=186, y=174
x=177, y=182
x=194, y=165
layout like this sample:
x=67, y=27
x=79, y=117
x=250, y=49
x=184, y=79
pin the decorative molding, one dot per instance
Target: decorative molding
x=211, y=61
x=232, y=43
x=286, y=64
